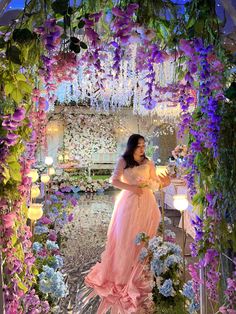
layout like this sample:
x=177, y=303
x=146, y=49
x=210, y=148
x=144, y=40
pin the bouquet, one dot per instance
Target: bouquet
x=148, y=183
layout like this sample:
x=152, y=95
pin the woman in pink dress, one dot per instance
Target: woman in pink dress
x=119, y=278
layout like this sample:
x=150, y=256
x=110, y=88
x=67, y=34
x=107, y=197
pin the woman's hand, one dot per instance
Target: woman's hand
x=165, y=180
x=136, y=190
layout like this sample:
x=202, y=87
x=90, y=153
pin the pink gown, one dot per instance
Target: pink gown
x=119, y=278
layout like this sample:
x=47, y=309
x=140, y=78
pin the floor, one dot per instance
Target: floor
x=84, y=241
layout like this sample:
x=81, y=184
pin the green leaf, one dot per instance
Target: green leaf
x=83, y=45
x=20, y=77
x=191, y=22
x=13, y=54
x=25, y=87
x=14, y=169
x=22, y=286
x=16, y=95
x=164, y=31
x=5, y=174
x=14, y=240
x=74, y=47
x=81, y=24
x=23, y=36
x=2, y=43
x=8, y=88
x=60, y=6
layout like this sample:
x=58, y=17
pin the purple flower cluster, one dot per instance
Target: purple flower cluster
x=230, y=294
x=51, y=34
x=205, y=235
x=122, y=26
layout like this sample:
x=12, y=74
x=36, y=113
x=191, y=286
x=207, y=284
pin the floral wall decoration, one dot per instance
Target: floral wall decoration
x=88, y=134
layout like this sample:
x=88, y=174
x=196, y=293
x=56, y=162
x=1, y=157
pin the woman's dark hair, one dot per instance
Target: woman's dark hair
x=129, y=153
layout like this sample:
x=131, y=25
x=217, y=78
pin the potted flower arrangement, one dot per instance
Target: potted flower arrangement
x=164, y=259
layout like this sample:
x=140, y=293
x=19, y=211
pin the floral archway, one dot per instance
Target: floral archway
x=39, y=55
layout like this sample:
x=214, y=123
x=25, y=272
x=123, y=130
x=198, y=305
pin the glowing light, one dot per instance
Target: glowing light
x=35, y=211
x=180, y=202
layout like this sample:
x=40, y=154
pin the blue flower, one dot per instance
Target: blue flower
x=161, y=251
x=143, y=254
x=41, y=229
x=167, y=221
x=170, y=233
x=157, y=267
x=154, y=243
x=37, y=246
x=174, y=248
x=54, y=198
x=173, y=259
x=167, y=289
x=52, y=282
x=188, y=290
x=57, y=262
x=51, y=245
x=193, y=307
x=139, y=238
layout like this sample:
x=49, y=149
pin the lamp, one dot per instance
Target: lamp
x=35, y=211
x=51, y=171
x=161, y=170
x=181, y=204
x=35, y=191
x=33, y=174
x=45, y=178
x=48, y=161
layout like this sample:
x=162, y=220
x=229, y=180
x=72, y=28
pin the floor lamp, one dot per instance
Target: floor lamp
x=181, y=204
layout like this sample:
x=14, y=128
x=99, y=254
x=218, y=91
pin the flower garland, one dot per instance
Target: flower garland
x=19, y=260
x=204, y=127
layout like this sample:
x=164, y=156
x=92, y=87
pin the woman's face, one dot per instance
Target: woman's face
x=140, y=149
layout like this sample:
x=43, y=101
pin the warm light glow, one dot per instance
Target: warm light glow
x=48, y=161
x=161, y=170
x=66, y=157
x=34, y=175
x=35, y=211
x=45, y=178
x=180, y=201
x=60, y=158
x=51, y=171
x=35, y=191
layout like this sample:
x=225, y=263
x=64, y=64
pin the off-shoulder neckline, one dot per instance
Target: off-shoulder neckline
x=146, y=162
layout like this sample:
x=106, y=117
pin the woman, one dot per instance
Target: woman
x=119, y=278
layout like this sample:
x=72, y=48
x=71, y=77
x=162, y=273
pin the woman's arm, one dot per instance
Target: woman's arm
x=117, y=176
x=164, y=180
